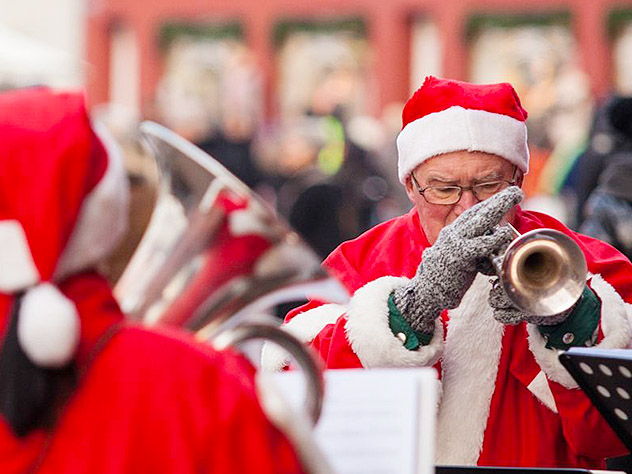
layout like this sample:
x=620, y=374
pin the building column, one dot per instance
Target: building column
x=98, y=53
x=389, y=36
x=258, y=32
x=451, y=21
x=593, y=44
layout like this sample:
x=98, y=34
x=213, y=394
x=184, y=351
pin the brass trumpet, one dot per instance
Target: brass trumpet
x=543, y=271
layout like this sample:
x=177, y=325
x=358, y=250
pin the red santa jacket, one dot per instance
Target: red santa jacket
x=506, y=400
x=145, y=401
x=149, y=401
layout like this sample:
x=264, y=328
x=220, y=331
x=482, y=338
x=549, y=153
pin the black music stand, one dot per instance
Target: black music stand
x=506, y=470
x=605, y=375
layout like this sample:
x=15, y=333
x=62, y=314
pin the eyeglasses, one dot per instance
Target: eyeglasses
x=451, y=194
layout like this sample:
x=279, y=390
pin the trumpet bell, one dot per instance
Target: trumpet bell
x=543, y=272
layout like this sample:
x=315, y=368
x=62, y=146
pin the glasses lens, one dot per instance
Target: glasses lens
x=486, y=190
x=442, y=194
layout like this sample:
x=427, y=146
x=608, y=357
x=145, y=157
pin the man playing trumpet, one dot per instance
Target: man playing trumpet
x=424, y=294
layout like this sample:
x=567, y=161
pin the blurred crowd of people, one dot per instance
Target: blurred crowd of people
x=603, y=181
x=325, y=165
x=331, y=176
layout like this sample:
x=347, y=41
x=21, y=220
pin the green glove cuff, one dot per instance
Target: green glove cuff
x=579, y=328
x=411, y=339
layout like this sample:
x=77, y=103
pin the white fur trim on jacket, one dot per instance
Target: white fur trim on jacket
x=457, y=128
x=469, y=366
x=370, y=335
x=103, y=216
x=539, y=387
x=305, y=327
x=614, y=324
x=17, y=268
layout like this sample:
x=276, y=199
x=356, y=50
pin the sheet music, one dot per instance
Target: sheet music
x=377, y=421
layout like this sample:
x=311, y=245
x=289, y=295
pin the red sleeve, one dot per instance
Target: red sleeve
x=162, y=403
x=235, y=423
x=584, y=428
x=332, y=345
x=302, y=309
x=241, y=439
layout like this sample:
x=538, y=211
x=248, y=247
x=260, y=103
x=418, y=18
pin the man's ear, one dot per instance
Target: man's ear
x=410, y=189
x=520, y=179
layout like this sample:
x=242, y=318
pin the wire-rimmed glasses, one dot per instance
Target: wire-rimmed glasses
x=451, y=194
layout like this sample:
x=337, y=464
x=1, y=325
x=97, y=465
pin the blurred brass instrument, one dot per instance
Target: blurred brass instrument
x=251, y=330
x=214, y=255
x=543, y=271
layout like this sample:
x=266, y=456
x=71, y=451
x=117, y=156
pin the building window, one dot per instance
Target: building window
x=620, y=28
x=426, y=51
x=322, y=66
x=211, y=84
x=540, y=57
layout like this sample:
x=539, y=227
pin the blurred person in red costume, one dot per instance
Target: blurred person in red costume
x=424, y=292
x=81, y=389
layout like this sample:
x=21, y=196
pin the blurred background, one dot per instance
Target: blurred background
x=302, y=100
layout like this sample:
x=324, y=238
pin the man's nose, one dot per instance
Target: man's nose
x=467, y=200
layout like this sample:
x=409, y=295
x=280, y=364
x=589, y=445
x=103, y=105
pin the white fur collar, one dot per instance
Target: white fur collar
x=470, y=366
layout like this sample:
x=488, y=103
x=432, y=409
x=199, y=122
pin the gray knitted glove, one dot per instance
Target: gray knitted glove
x=506, y=313
x=449, y=267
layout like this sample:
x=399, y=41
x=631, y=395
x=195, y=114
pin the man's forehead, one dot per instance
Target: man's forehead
x=470, y=165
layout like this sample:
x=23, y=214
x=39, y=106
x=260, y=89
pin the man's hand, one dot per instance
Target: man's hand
x=448, y=267
x=507, y=313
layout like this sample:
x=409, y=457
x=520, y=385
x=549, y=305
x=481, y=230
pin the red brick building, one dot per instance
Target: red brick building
x=388, y=30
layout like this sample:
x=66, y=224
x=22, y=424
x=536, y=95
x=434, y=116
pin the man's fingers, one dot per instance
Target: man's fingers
x=509, y=316
x=491, y=244
x=487, y=214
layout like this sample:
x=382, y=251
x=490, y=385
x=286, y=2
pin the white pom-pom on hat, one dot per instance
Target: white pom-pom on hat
x=48, y=326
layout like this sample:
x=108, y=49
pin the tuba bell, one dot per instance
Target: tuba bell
x=543, y=271
x=215, y=257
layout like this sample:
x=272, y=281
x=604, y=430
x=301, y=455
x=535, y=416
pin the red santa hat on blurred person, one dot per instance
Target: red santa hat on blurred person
x=63, y=207
x=446, y=115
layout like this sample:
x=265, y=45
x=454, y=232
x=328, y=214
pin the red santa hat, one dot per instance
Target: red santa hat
x=445, y=116
x=63, y=207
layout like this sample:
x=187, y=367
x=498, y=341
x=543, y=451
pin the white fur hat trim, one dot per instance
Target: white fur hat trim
x=457, y=128
x=48, y=326
x=103, y=217
x=18, y=269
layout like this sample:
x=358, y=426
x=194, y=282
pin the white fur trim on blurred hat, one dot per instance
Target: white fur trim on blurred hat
x=48, y=326
x=103, y=217
x=15, y=254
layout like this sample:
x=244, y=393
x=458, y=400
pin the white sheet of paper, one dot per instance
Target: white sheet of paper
x=378, y=421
